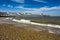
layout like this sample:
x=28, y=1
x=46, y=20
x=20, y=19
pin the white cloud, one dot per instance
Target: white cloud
x=46, y=8
x=22, y=7
x=10, y=6
x=40, y=10
x=40, y=1
x=51, y=8
x=19, y=7
x=18, y=1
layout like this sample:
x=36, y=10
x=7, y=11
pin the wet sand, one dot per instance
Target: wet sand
x=37, y=27
x=10, y=30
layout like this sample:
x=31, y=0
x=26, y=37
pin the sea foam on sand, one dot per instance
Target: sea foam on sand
x=29, y=22
x=21, y=21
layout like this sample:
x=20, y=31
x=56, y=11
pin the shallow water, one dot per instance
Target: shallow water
x=38, y=17
x=51, y=28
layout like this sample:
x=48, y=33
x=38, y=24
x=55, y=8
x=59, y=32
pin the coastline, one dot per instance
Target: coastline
x=19, y=29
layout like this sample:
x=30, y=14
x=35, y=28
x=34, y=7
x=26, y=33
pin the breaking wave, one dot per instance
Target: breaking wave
x=29, y=22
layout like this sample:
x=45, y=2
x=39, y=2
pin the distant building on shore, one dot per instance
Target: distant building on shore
x=3, y=14
x=20, y=14
x=12, y=14
x=8, y=14
x=25, y=13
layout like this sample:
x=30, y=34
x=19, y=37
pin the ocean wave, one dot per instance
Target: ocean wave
x=33, y=23
x=29, y=22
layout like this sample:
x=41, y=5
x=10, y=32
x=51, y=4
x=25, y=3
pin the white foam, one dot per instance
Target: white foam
x=50, y=31
x=21, y=21
x=29, y=22
x=8, y=18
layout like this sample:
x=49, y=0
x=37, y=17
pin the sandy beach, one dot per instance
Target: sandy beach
x=10, y=30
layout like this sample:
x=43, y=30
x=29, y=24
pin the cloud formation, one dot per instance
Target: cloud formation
x=44, y=10
x=40, y=1
x=22, y=1
x=10, y=6
x=19, y=7
x=39, y=9
x=18, y=1
x=51, y=8
x=22, y=7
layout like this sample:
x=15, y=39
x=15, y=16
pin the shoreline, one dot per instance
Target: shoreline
x=15, y=21
x=33, y=23
x=55, y=29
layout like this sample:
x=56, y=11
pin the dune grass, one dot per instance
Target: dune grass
x=13, y=32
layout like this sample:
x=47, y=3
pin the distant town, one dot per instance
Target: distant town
x=16, y=14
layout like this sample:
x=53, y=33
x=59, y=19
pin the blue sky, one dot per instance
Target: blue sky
x=49, y=7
